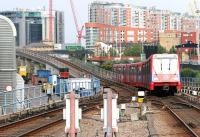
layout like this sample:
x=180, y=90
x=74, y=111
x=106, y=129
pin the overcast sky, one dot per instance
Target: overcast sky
x=82, y=9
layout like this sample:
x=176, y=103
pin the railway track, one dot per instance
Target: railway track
x=107, y=77
x=187, y=114
x=124, y=92
x=38, y=123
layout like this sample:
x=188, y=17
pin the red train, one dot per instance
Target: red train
x=160, y=72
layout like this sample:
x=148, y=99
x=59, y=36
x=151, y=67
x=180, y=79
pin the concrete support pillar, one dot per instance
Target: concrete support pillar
x=110, y=113
x=72, y=114
x=72, y=130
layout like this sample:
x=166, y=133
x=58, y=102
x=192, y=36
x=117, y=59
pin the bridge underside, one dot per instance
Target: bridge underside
x=34, y=64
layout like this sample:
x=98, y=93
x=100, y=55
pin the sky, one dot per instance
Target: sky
x=81, y=7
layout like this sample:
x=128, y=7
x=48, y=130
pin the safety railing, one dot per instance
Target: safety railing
x=192, y=62
x=41, y=56
x=100, y=72
x=36, y=96
x=20, y=99
x=191, y=82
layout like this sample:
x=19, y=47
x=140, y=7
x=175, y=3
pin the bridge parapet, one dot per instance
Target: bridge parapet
x=76, y=66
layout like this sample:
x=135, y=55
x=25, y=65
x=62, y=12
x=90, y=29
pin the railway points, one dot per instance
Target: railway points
x=184, y=112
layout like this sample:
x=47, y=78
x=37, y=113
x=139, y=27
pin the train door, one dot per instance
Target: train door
x=148, y=72
x=134, y=74
x=131, y=74
x=128, y=73
x=124, y=74
x=137, y=74
x=140, y=73
x=120, y=74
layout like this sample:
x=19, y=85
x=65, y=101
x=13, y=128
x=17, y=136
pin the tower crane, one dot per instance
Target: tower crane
x=78, y=29
x=50, y=20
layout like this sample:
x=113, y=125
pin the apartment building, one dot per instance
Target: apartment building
x=115, y=34
x=135, y=23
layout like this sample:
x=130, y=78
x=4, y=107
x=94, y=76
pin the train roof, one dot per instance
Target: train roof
x=154, y=56
x=165, y=55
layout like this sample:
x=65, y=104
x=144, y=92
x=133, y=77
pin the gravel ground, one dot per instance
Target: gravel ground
x=161, y=123
x=91, y=126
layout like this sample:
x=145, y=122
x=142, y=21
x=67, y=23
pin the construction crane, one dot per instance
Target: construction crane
x=50, y=20
x=79, y=31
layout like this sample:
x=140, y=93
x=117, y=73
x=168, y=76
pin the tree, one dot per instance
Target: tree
x=134, y=50
x=187, y=72
x=161, y=49
x=107, y=65
x=172, y=50
x=112, y=52
x=103, y=54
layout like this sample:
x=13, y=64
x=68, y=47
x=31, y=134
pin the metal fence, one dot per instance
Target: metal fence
x=190, y=82
x=20, y=99
x=35, y=96
x=192, y=62
x=95, y=70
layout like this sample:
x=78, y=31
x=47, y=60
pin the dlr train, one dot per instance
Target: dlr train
x=160, y=72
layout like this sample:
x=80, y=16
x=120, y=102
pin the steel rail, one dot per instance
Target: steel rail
x=90, y=70
x=90, y=106
x=28, y=118
x=176, y=115
x=182, y=121
x=59, y=120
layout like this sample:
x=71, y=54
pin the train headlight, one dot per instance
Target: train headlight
x=155, y=78
x=175, y=78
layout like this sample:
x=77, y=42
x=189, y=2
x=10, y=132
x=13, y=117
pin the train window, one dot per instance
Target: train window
x=119, y=70
x=169, y=64
x=133, y=71
x=174, y=66
x=161, y=66
x=129, y=72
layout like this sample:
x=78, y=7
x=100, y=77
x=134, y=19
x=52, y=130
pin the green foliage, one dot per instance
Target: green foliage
x=172, y=50
x=103, y=54
x=132, y=50
x=107, y=65
x=161, y=49
x=198, y=75
x=121, y=62
x=187, y=72
x=113, y=52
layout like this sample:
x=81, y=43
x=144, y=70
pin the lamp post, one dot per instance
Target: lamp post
x=198, y=56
